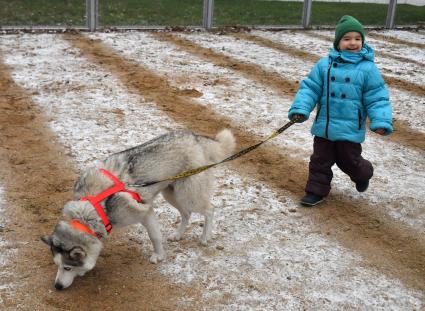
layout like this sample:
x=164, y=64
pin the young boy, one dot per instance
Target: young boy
x=347, y=88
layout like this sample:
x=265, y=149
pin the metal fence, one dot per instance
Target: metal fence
x=95, y=15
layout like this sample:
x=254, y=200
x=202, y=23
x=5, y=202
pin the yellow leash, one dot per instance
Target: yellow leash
x=232, y=157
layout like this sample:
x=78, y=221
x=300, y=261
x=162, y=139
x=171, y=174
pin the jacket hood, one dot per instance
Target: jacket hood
x=365, y=53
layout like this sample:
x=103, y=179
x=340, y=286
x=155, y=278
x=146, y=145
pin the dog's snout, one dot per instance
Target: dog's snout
x=58, y=286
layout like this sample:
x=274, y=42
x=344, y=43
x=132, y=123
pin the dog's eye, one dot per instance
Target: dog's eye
x=67, y=268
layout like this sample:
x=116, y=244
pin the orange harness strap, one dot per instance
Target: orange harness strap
x=95, y=202
x=81, y=227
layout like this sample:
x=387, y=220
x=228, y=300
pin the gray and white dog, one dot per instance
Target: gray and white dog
x=76, y=252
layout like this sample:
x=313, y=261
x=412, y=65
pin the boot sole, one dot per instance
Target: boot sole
x=311, y=204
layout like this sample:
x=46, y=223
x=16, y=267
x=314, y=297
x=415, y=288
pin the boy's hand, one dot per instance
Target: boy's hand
x=380, y=131
x=297, y=118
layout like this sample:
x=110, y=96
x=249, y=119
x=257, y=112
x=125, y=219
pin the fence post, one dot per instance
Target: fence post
x=208, y=13
x=307, y=14
x=392, y=7
x=92, y=12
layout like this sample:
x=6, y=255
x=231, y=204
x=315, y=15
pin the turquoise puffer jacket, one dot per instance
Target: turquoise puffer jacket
x=347, y=88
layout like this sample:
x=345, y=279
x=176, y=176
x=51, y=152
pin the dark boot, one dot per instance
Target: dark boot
x=362, y=186
x=311, y=199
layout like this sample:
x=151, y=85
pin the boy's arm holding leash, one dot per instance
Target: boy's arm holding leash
x=308, y=94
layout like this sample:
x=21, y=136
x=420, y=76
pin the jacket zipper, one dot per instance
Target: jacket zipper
x=327, y=101
x=360, y=119
x=318, y=111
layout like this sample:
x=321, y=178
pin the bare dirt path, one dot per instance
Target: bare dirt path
x=403, y=133
x=386, y=244
x=38, y=177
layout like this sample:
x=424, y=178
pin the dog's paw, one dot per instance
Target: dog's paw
x=155, y=258
x=203, y=241
x=175, y=237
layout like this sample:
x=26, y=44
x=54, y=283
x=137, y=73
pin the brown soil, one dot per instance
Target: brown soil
x=38, y=176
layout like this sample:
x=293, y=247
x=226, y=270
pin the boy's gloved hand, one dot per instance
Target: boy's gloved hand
x=297, y=118
x=380, y=131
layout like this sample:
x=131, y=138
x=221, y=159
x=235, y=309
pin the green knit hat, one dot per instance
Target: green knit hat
x=346, y=24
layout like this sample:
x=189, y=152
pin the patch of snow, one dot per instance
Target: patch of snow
x=411, y=36
x=112, y=115
x=264, y=254
x=269, y=256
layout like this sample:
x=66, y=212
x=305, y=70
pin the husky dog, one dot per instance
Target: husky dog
x=77, y=242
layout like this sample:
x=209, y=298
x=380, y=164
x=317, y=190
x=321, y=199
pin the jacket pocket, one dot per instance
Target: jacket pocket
x=318, y=112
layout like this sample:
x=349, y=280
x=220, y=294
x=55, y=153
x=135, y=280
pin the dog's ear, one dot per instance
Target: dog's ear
x=77, y=253
x=47, y=239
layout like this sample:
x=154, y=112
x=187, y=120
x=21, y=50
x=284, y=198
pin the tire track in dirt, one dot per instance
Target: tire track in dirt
x=387, y=245
x=403, y=133
x=396, y=40
x=38, y=177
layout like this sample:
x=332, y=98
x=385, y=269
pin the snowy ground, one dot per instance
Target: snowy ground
x=418, y=37
x=286, y=263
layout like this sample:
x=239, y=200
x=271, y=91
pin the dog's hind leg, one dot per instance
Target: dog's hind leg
x=169, y=196
x=208, y=213
x=193, y=195
x=200, y=202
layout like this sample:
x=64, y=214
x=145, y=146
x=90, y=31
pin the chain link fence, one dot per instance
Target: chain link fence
x=95, y=15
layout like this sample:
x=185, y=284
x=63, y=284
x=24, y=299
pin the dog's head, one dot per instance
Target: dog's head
x=74, y=253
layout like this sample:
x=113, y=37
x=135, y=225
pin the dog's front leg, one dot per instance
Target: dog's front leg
x=148, y=219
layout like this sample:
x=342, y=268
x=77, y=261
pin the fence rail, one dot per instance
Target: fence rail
x=95, y=15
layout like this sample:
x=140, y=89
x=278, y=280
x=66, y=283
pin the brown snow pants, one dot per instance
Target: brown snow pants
x=346, y=155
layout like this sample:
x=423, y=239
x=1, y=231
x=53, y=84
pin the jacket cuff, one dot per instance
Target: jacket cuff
x=383, y=125
x=298, y=111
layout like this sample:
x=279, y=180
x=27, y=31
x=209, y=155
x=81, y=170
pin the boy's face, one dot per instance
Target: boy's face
x=351, y=42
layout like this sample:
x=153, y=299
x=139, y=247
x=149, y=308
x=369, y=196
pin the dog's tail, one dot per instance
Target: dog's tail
x=227, y=145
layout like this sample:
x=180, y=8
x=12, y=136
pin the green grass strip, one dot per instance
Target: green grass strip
x=189, y=13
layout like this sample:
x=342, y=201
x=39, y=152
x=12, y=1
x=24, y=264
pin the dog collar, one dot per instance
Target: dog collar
x=117, y=187
x=81, y=227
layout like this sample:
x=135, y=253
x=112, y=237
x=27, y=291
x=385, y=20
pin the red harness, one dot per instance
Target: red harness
x=95, y=201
